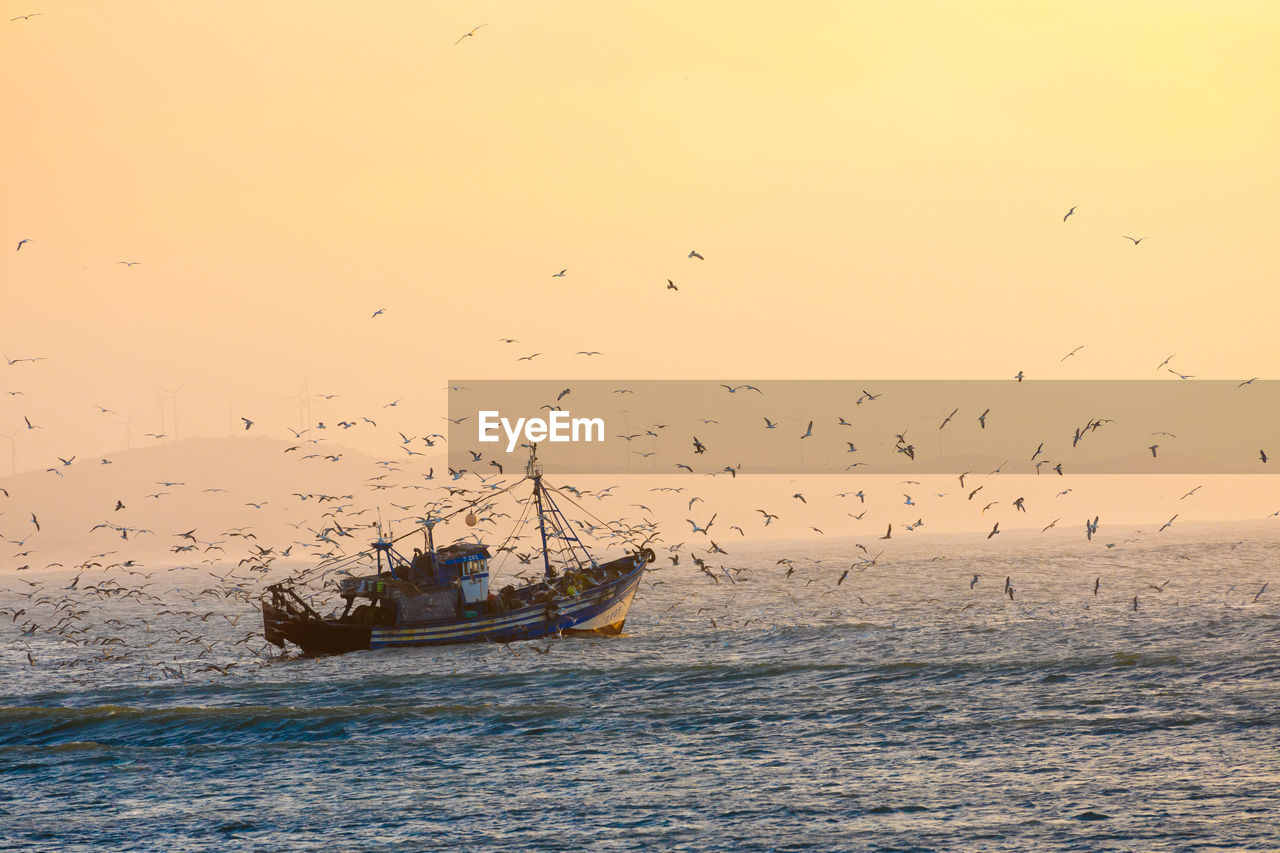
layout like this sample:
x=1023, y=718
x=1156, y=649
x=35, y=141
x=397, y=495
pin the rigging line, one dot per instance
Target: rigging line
x=336, y=562
x=502, y=560
x=607, y=525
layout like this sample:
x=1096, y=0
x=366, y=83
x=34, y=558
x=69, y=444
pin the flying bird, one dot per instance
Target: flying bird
x=560, y=274
x=994, y=530
x=24, y=18
x=1135, y=240
x=247, y=423
x=809, y=431
x=129, y=263
x=376, y=313
x=561, y=395
x=982, y=422
x=1073, y=352
x=888, y=532
x=24, y=239
x=696, y=255
x=671, y=285
x=472, y=33
x=1069, y=212
x=1167, y=523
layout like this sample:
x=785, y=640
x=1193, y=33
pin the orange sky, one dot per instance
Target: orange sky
x=877, y=188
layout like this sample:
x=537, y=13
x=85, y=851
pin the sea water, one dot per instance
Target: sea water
x=903, y=708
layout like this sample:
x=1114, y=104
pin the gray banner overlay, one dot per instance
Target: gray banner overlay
x=1046, y=427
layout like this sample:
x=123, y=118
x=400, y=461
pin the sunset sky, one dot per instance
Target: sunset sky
x=877, y=188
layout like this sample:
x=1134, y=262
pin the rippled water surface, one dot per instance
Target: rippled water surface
x=899, y=709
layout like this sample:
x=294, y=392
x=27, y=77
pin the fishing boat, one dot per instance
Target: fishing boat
x=442, y=595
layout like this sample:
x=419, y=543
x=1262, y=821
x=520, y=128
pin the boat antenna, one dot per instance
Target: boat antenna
x=534, y=472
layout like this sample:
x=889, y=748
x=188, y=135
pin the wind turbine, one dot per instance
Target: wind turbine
x=173, y=399
x=13, y=451
x=128, y=430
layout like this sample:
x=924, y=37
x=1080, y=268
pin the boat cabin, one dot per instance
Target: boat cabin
x=468, y=564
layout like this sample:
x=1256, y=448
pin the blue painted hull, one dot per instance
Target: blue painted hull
x=597, y=610
x=601, y=610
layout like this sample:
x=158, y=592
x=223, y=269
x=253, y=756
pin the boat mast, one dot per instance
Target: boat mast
x=534, y=472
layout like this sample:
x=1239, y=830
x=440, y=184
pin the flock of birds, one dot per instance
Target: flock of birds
x=234, y=563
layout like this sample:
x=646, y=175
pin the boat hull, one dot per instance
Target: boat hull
x=600, y=610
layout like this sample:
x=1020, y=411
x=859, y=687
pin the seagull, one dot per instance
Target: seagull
x=1166, y=361
x=247, y=423
x=1096, y=585
x=1167, y=523
x=1073, y=352
x=473, y=32
x=129, y=263
x=809, y=431
x=1069, y=212
x=973, y=582
x=947, y=420
x=1136, y=240
x=1018, y=376
x=982, y=420
x=1181, y=375
x=376, y=313
x=671, y=285
x=698, y=446
x=734, y=389
x=561, y=394
x=994, y=530
x=1247, y=382
x=24, y=18
x=1263, y=454
x=768, y=424
x=1091, y=527
x=24, y=239
x=888, y=532
x=560, y=274
x=33, y=426
x=696, y=255
x=1152, y=448
x=529, y=357
x=1051, y=524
